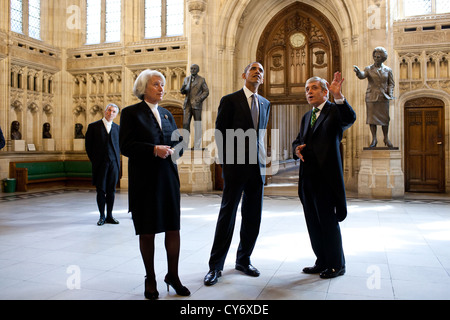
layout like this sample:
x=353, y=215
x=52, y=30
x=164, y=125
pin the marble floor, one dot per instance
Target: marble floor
x=52, y=249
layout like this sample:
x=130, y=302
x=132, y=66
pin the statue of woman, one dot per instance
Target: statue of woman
x=380, y=90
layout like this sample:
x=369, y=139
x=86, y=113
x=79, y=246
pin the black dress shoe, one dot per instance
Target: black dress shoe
x=101, y=221
x=332, y=273
x=112, y=220
x=212, y=277
x=248, y=270
x=313, y=269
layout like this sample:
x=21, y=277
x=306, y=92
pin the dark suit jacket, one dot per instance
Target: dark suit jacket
x=325, y=139
x=235, y=155
x=153, y=182
x=96, y=141
x=2, y=139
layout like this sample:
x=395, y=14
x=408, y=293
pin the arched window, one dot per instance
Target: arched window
x=164, y=18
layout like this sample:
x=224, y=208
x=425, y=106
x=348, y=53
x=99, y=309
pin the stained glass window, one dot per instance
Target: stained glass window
x=16, y=16
x=153, y=18
x=93, y=21
x=34, y=18
x=113, y=19
x=175, y=17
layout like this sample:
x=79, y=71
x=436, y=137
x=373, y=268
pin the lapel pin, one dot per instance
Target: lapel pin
x=165, y=116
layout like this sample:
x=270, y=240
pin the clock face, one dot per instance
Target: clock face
x=297, y=39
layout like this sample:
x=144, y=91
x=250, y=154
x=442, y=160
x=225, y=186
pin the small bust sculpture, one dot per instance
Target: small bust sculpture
x=78, y=131
x=46, y=131
x=15, y=133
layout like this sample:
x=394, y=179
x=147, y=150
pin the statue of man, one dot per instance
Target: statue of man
x=380, y=90
x=196, y=91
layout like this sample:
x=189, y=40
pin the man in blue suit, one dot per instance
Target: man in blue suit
x=240, y=129
x=321, y=182
x=102, y=148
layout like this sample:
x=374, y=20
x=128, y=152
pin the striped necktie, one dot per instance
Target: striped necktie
x=314, y=116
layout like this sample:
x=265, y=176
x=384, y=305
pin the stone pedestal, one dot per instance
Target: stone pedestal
x=78, y=145
x=380, y=175
x=18, y=145
x=48, y=144
x=194, y=169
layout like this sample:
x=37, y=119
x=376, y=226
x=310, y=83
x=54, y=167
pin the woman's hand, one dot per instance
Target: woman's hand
x=163, y=151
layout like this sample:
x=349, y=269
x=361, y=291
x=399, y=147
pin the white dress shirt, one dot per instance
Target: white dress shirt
x=337, y=101
x=154, y=108
x=107, y=124
x=249, y=94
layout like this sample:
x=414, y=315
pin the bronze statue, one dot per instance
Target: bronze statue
x=78, y=131
x=15, y=130
x=46, y=131
x=196, y=90
x=380, y=90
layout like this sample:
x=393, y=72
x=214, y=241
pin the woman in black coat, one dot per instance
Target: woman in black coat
x=151, y=141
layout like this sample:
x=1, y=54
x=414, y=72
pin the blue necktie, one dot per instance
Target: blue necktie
x=254, y=111
x=314, y=116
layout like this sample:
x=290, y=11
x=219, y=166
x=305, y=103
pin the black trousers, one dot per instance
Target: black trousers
x=251, y=189
x=106, y=188
x=318, y=202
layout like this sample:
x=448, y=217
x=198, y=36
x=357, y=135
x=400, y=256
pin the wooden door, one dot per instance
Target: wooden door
x=424, y=145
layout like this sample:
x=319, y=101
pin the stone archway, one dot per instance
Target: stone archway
x=298, y=43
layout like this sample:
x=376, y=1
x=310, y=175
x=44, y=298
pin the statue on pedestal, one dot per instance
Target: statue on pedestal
x=380, y=90
x=196, y=90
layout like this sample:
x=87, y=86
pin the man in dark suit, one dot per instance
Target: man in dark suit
x=102, y=148
x=321, y=184
x=240, y=129
x=196, y=90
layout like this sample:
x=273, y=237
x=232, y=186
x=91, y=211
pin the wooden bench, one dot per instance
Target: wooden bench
x=37, y=172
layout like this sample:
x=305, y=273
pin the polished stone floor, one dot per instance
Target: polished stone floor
x=52, y=249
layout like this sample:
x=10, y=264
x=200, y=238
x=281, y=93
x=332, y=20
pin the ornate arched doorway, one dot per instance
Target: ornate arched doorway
x=298, y=43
